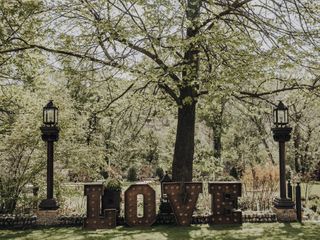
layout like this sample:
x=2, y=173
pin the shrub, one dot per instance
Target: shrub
x=316, y=172
x=145, y=171
x=114, y=184
x=104, y=173
x=227, y=178
x=159, y=173
x=132, y=174
x=260, y=184
x=234, y=173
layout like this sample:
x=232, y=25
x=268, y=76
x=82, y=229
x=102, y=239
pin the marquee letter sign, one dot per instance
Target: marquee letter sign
x=183, y=198
x=94, y=220
x=149, y=205
x=224, y=202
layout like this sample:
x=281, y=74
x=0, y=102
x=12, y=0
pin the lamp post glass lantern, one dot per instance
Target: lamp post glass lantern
x=50, y=114
x=280, y=115
x=50, y=134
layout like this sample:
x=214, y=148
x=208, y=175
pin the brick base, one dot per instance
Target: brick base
x=285, y=215
x=47, y=217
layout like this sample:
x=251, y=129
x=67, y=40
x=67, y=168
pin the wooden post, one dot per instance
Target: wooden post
x=298, y=202
x=289, y=190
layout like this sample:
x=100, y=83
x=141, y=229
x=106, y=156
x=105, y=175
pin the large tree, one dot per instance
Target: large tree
x=174, y=45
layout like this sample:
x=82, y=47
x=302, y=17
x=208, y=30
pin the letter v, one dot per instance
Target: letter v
x=183, y=198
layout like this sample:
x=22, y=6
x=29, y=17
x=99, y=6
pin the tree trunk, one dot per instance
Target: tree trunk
x=263, y=134
x=217, y=127
x=184, y=145
x=217, y=145
x=297, y=144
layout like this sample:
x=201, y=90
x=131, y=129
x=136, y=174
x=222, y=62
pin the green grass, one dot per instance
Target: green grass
x=313, y=187
x=271, y=231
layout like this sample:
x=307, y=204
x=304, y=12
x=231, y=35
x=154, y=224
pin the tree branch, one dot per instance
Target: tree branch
x=169, y=91
x=115, y=99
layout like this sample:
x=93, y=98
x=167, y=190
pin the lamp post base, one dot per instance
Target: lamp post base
x=283, y=203
x=49, y=204
x=285, y=215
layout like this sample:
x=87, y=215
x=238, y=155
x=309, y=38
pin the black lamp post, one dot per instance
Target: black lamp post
x=50, y=134
x=281, y=134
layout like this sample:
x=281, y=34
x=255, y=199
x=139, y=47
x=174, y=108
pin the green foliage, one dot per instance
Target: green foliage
x=104, y=174
x=132, y=174
x=114, y=184
x=159, y=173
x=206, y=167
x=20, y=148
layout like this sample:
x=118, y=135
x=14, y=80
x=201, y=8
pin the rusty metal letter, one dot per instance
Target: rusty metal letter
x=183, y=198
x=149, y=205
x=224, y=202
x=94, y=219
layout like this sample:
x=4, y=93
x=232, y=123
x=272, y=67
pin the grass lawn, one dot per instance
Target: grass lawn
x=314, y=188
x=271, y=231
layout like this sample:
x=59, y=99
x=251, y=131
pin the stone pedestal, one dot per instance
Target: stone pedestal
x=285, y=214
x=47, y=217
x=283, y=203
x=49, y=204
